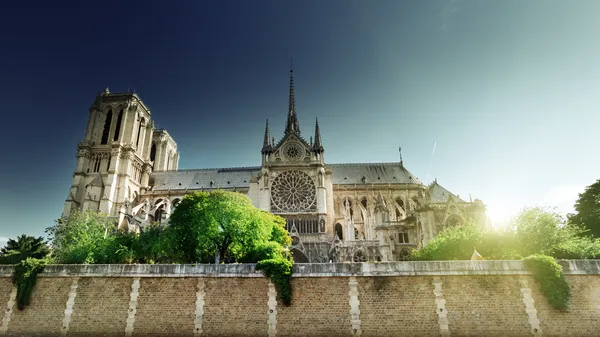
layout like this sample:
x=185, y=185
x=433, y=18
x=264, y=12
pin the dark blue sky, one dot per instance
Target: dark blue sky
x=508, y=91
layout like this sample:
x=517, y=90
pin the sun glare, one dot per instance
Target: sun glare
x=500, y=215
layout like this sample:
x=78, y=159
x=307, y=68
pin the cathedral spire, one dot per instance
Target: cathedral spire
x=267, y=140
x=292, y=124
x=318, y=145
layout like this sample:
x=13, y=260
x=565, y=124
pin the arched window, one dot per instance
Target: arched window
x=363, y=202
x=137, y=142
x=118, y=126
x=359, y=256
x=153, y=152
x=453, y=221
x=339, y=232
x=168, y=160
x=106, y=127
x=175, y=202
x=158, y=214
x=400, y=202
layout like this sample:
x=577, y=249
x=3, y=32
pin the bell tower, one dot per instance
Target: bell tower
x=114, y=159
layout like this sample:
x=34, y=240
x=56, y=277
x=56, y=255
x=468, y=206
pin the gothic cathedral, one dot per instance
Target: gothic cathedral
x=334, y=212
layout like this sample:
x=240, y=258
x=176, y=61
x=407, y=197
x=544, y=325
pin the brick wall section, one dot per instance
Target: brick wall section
x=485, y=306
x=46, y=310
x=166, y=307
x=480, y=298
x=234, y=306
x=583, y=316
x=6, y=287
x=320, y=307
x=100, y=306
x=397, y=306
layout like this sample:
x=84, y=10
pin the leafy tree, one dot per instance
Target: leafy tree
x=221, y=226
x=533, y=231
x=587, y=210
x=23, y=247
x=151, y=245
x=84, y=237
x=539, y=231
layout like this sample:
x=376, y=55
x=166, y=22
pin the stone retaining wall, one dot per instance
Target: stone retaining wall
x=477, y=298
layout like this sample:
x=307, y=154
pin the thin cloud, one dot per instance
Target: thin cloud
x=446, y=14
x=3, y=241
x=430, y=161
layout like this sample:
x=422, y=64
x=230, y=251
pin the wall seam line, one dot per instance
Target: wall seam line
x=534, y=322
x=199, y=314
x=354, y=306
x=440, y=303
x=69, y=307
x=272, y=313
x=8, y=311
x=135, y=292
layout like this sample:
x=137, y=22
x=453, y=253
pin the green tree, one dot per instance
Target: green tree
x=221, y=226
x=84, y=237
x=23, y=247
x=533, y=231
x=587, y=210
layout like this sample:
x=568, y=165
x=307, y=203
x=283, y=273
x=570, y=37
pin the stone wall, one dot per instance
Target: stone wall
x=461, y=298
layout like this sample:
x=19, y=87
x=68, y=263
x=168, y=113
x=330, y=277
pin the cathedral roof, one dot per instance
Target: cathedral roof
x=203, y=178
x=371, y=173
x=439, y=194
x=342, y=174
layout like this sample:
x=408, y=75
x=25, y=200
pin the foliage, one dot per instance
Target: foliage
x=84, y=237
x=548, y=274
x=25, y=277
x=23, y=247
x=533, y=231
x=455, y=243
x=92, y=237
x=587, y=210
x=279, y=269
x=220, y=226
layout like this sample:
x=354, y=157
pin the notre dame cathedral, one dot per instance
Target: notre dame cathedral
x=334, y=212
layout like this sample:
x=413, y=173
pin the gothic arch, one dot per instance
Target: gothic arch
x=339, y=231
x=118, y=125
x=106, y=130
x=453, y=221
x=299, y=256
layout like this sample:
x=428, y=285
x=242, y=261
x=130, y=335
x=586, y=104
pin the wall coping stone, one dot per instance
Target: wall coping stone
x=402, y=268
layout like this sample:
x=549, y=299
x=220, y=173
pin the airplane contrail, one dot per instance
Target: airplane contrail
x=430, y=160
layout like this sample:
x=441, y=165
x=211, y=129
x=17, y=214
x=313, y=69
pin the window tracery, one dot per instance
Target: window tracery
x=293, y=191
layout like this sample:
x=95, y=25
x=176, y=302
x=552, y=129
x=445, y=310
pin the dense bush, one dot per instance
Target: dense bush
x=548, y=274
x=24, y=278
x=533, y=231
x=280, y=271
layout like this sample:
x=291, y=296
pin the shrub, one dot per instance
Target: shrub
x=24, y=278
x=548, y=274
x=280, y=271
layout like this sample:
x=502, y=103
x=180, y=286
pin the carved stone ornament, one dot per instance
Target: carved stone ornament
x=293, y=151
x=293, y=191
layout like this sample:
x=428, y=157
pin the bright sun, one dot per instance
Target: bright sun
x=500, y=215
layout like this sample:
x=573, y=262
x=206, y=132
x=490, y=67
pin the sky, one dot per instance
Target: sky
x=496, y=99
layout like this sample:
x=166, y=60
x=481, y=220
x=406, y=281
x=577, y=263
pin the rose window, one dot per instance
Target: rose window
x=292, y=151
x=293, y=191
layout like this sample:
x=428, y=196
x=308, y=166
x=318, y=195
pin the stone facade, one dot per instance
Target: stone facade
x=335, y=212
x=461, y=298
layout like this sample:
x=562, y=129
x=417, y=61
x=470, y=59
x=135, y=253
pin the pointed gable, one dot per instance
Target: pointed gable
x=439, y=194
